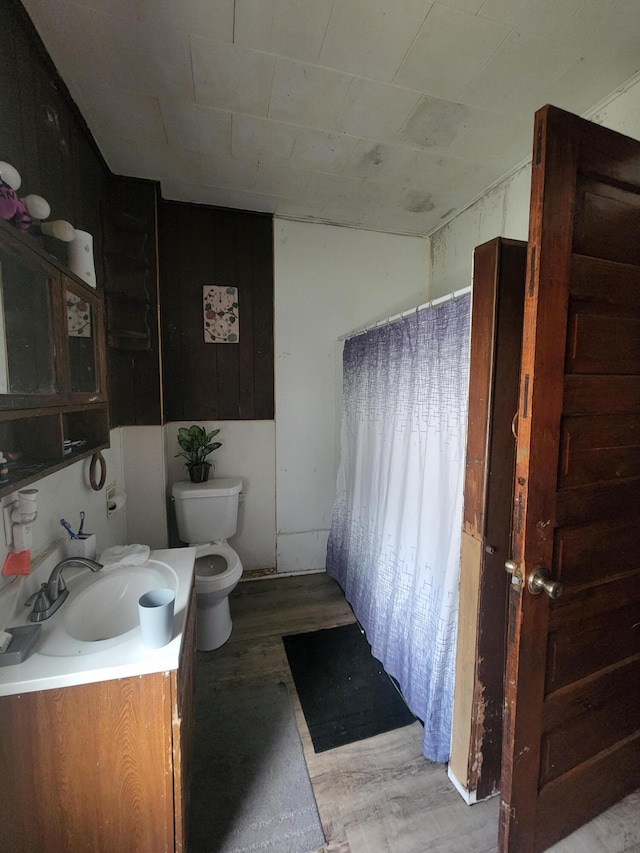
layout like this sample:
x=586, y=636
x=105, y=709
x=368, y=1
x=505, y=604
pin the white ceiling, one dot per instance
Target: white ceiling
x=383, y=114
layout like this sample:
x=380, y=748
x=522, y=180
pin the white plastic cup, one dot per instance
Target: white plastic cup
x=156, y=617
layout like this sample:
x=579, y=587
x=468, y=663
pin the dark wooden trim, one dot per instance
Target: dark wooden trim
x=496, y=332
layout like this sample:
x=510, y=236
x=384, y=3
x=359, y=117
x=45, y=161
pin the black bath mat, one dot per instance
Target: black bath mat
x=345, y=693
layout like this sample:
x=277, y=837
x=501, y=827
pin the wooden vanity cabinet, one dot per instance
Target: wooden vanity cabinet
x=101, y=767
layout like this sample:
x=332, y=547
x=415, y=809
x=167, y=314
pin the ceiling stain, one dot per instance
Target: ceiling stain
x=436, y=124
x=419, y=203
x=373, y=157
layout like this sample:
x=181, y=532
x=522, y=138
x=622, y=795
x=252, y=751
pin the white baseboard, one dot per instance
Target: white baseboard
x=469, y=797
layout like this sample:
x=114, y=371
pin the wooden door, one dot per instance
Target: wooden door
x=572, y=722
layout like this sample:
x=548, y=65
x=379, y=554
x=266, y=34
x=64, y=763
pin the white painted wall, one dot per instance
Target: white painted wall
x=248, y=451
x=63, y=495
x=328, y=280
x=143, y=459
x=621, y=113
x=151, y=467
x=504, y=211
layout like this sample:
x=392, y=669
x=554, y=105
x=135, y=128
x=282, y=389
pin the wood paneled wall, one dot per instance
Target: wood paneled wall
x=43, y=134
x=203, y=246
x=131, y=295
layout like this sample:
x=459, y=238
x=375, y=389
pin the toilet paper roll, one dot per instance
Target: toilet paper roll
x=81, y=257
x=117, y=503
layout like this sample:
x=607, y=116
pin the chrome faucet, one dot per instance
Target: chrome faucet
x=51, y=594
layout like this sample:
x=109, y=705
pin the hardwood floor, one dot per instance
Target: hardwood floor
x=378, y=795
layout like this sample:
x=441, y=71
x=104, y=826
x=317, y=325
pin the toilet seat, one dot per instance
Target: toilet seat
x=206, y=583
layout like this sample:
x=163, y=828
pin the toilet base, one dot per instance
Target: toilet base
x=213, y=623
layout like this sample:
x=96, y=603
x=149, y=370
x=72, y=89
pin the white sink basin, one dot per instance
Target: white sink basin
x=102, y=609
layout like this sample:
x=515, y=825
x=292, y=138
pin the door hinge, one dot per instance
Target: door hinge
x=505, y=807
x=539, y=133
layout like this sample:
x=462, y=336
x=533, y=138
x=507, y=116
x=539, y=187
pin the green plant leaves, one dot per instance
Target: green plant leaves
x=196, y=443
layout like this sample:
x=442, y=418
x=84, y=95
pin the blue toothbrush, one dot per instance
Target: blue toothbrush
x=67, y=527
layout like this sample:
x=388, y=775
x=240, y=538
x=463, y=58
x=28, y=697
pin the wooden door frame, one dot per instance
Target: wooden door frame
x=496, y=334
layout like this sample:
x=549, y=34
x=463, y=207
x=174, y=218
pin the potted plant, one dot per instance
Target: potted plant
x=196, y=445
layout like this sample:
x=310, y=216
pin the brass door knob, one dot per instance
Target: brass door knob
x=540, y=581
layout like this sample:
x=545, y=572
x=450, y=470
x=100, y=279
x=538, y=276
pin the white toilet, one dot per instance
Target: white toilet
x=207, y=515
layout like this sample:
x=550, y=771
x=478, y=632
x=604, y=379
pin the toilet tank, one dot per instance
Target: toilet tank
x=207, y=511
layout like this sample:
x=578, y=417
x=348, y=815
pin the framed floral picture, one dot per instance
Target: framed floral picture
x=78, y=317
x=220, y=312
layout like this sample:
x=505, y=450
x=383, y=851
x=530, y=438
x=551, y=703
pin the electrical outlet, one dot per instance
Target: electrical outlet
x=110, y=492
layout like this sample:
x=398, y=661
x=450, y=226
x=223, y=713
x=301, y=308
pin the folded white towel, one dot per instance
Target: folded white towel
x=118, y=556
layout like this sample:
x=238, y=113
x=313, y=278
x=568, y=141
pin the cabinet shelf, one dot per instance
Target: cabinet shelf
x=22, y=477
x=35, y=441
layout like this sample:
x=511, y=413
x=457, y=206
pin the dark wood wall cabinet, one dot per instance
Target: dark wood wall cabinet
x=53, y=398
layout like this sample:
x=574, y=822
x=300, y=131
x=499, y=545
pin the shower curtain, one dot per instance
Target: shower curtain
x=394, y=545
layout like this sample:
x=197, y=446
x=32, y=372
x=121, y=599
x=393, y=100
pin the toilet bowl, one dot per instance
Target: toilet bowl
x=207, y=515
x=217, y=572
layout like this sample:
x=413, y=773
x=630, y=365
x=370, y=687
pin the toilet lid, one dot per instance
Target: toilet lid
x=210, y=565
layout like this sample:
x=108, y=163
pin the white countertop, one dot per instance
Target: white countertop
x=119, y=657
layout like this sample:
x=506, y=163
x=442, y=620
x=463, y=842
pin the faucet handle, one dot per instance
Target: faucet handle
x=58, y=587
x=39, y=599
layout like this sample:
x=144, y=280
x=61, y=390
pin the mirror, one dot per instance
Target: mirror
x=81, y=334
x=27, y=345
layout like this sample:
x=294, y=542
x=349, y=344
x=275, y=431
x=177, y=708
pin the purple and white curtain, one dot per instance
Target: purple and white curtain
x=394, y=545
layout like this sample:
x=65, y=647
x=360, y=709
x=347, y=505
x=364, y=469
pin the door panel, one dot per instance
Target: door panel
x=591, y=553
x=596, y=503
x=594, y=448
x=602, y=339
x=595, y=394
x=578, y=650
x=607, y=221
x=572, y=725
x=604, y=281
x=603, y=778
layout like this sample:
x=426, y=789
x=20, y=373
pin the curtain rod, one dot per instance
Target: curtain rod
x=394, y=319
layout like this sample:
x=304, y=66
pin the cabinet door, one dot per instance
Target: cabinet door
x=30, y=355
x=84, y=378
x=88, y=768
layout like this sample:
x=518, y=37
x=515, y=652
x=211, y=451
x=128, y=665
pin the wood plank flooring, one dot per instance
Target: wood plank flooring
x=379, y=795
